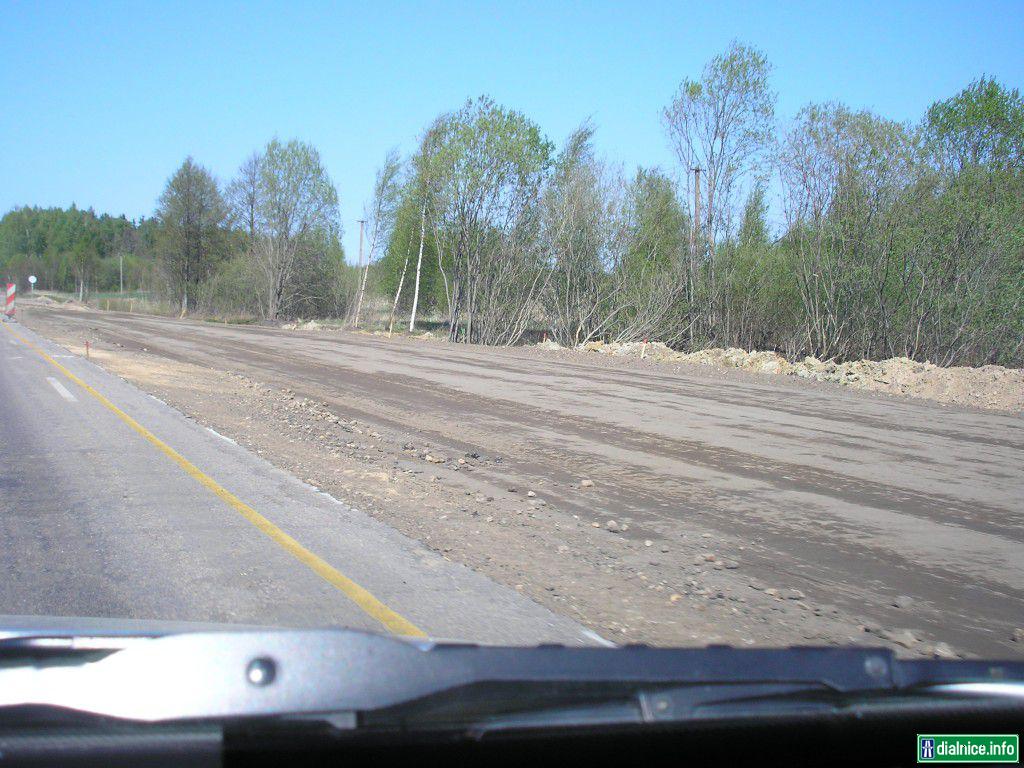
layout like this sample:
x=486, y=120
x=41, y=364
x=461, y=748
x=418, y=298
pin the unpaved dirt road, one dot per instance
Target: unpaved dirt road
x=756, y=511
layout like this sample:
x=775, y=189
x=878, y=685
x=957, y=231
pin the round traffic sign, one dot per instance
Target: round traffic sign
x=32, y=279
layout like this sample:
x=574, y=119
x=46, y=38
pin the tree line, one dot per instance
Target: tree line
x=890, y=239
x=837, y=233
x=74, y=250
x=265, y=245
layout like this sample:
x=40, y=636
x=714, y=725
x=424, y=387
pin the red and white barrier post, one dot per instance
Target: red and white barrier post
x=9, y=305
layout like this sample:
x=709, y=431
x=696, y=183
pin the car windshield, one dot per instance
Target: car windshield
x=514, y=326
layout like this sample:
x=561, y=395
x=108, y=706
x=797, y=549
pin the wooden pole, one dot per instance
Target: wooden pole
x=366, y=269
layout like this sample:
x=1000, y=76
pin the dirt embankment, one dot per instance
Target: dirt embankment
x=992, y=386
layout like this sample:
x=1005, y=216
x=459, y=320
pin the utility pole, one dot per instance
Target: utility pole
x=366, y=269
x=122, y=271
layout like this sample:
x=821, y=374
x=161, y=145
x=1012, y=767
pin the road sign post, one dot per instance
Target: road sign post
x=31, y=283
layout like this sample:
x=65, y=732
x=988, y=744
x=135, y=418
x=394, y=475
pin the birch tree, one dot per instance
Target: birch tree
x=423, y=187
x=381, y=216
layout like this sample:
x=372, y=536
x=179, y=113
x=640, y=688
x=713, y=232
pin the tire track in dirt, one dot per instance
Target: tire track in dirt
x=787, y=514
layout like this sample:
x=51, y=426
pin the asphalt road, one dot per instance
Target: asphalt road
x=856, y=499
x=113, y=504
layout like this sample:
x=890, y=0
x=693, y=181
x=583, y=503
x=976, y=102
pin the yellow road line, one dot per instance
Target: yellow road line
x=359, y=595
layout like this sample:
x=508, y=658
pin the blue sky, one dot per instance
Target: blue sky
x=102, y=101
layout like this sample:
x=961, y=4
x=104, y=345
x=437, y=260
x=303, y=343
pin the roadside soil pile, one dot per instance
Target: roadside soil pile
x=992, y=386
x=40, y=299
x=308, y=325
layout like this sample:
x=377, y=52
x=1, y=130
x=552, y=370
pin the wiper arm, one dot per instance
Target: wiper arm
x=245, y=675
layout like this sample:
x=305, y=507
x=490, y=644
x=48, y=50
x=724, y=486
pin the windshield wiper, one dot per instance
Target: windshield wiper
x=359, y=680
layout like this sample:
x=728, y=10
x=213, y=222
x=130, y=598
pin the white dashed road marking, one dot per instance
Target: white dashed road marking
x=61, y=389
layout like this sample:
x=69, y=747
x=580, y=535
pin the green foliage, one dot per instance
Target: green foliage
x=723, y=124
x=896, y=254
x=296, y=229
x=401, y=254
x=295, y=194
x=758, y=278
x=232, y=290
x=65, y=249
x=753, y=234
x=983, y=125
x=191, y=239
x=895, y=240
x=482, y=173
x=580, y=233
x=658, y=226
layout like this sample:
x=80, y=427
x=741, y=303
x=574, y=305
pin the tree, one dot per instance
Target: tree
x=243, y=197
x=580, y=220
x=966, y=212
x=411, y=238
x=409, y=229
x=843, y=173
x=67, y=250
x=85, y=253
x=753, y=231
x=894, y=239
x=756, y=279
x=381, y=216
x=983, y=125
x=296, y=216
x=491, y=166
x=722, y=124
x=190, y=213
x=422, y=190
x=651, y=267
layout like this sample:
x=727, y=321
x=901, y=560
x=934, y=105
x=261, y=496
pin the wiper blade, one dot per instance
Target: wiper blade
x=216, y=676
x=491, y=708
x=620, y=704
